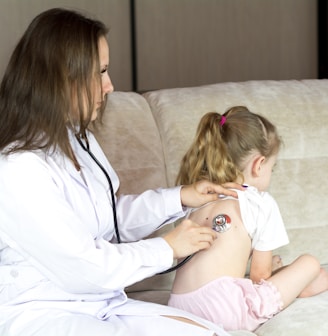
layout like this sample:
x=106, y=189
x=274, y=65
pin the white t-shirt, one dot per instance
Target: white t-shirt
x=262, y=219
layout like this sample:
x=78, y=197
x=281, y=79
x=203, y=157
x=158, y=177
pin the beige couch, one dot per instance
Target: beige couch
x=145, y=136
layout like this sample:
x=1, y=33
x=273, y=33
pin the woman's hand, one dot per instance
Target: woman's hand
x=189, y=237
x=199, y=193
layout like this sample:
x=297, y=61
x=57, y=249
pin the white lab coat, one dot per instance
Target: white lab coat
x=55, y=227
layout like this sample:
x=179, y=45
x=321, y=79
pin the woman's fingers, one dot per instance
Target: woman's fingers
x=189, y=237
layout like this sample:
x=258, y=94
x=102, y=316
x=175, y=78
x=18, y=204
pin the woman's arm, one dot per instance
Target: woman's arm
x=47, y=217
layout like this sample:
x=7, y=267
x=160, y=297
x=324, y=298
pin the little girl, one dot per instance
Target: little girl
x=240, y=146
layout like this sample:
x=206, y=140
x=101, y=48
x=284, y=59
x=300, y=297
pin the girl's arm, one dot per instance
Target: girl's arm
x=261, y=265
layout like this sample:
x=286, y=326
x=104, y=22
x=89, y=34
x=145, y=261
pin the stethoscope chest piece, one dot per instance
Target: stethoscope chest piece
x=221, y=223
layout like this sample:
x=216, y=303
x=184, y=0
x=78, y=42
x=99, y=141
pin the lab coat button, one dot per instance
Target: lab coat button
x=14, y=273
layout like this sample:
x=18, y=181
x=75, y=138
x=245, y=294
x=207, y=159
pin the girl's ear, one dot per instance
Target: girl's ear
x=256, y=166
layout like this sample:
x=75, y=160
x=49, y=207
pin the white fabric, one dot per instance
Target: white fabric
x=55, y=224
x=97, y=318
x=262, y=219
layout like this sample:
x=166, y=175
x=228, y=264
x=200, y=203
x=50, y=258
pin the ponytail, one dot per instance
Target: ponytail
x=208, y=157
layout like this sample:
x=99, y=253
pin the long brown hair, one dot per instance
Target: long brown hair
x=50, y=76
x=222, y=144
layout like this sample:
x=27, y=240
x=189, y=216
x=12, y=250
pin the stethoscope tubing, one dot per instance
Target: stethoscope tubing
x=87, y=149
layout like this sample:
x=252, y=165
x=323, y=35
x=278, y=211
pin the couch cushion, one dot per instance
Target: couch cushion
x=299, y=109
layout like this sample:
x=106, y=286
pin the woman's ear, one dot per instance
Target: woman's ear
x=256, y=166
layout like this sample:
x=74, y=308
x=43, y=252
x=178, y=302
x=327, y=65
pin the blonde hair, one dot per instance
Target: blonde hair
x=224, y=142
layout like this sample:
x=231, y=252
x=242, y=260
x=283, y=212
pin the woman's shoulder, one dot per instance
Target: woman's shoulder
x=22, y=163
x=18, y=158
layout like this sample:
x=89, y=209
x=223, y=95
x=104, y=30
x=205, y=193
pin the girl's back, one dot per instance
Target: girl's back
x=229, y=254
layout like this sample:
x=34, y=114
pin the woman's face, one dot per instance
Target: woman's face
x=106, y=83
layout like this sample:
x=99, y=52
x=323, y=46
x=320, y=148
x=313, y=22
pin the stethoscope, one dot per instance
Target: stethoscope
x=86, y=147
x=220, y=223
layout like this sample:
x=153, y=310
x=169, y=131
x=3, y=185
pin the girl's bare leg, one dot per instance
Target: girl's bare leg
x=276, y=263
x=321, y=281
x=301, y=278
x=185, y=320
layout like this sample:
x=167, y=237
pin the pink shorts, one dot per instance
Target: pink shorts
x=234, y=303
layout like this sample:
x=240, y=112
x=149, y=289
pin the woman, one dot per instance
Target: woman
x=62, y=270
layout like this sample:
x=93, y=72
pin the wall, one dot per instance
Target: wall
x=189, y=42
x=195, y=42
x=15, y=15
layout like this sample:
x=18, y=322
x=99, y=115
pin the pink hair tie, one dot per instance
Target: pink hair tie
x=222, y=120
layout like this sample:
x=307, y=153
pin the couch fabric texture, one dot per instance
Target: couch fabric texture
x=145, y=136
